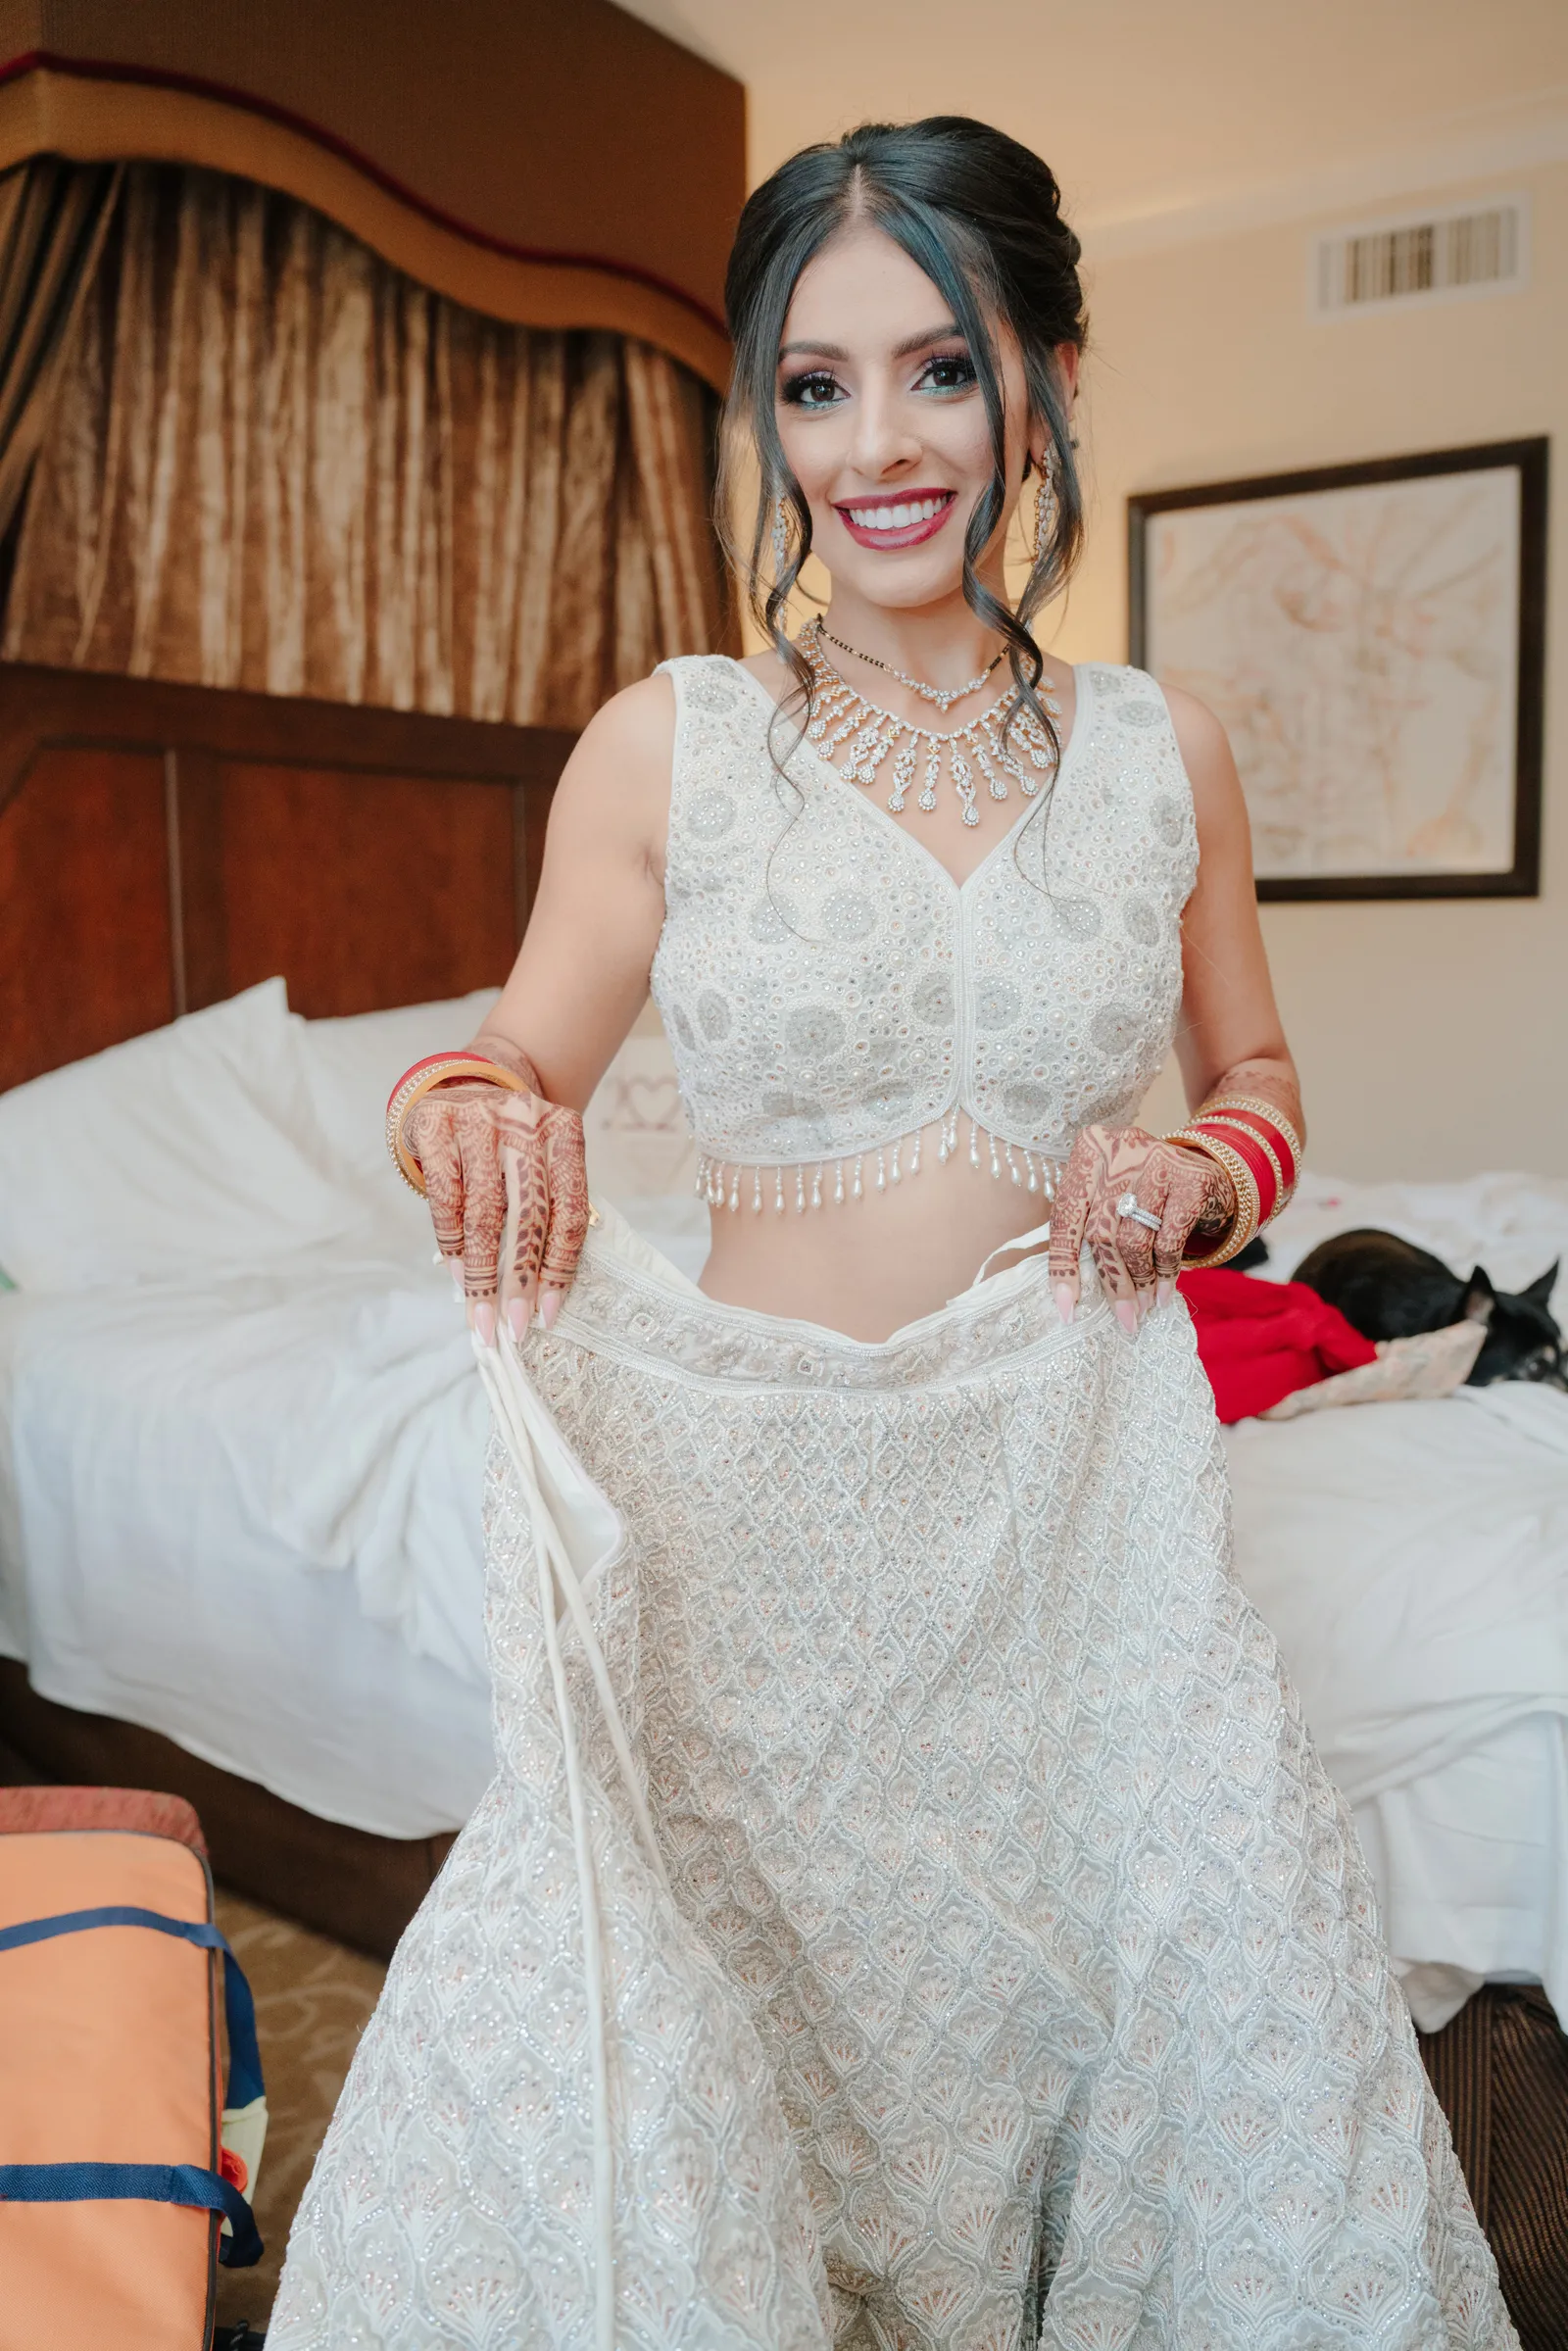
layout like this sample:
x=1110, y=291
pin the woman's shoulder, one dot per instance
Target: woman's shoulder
x=1199, y=733
x=1220, y=809
x=1140, y=696
x=618, y=773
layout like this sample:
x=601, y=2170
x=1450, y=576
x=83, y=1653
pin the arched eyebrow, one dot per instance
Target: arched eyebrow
x=902, y=351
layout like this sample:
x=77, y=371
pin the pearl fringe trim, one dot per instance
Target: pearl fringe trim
x=727, y=1182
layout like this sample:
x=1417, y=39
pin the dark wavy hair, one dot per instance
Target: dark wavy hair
x=982, y=217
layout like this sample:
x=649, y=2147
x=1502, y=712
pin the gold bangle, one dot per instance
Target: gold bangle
x=1281, y=1190
x=1260, y=1110
x=1248, y=1206
x=424, y=1080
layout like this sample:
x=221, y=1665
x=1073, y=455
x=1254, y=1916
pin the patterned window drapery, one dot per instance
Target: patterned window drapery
x=274, y=462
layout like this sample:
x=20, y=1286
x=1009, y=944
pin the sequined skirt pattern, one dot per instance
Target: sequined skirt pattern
x=1022, y=1983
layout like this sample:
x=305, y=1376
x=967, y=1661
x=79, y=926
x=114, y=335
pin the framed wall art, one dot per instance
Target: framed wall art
x=1373, y=637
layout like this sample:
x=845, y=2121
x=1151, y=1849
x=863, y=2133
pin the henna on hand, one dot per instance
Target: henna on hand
x=1183, y=1188
x=485, y=1205
x=502, y=1166
x=540, y=1145
x=567, y=1174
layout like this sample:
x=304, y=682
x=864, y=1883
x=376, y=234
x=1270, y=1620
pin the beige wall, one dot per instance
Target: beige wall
x=1430, y=1034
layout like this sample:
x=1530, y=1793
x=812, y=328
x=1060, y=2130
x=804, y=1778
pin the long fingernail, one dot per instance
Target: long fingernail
x=455, y=1268
x=484, y=1321
x=517, y=1318
x=1164, y=1294
x=1065, y=1301
x=1127, y=1315
x=550, y=1306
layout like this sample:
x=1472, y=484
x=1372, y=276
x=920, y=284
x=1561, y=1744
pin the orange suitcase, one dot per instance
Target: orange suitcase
x=118, y=2197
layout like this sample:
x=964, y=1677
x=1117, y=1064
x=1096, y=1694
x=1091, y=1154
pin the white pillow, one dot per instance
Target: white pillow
x=638, y=1142
x=195, y=1147
x=351, y=1065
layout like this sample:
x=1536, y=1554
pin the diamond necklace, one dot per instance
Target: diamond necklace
x=942, y=696
x=842, y=717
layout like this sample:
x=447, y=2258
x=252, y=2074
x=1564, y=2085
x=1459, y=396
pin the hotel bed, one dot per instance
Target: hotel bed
x=242, y=1439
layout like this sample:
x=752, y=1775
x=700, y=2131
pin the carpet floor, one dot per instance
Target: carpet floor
x=313, y=2000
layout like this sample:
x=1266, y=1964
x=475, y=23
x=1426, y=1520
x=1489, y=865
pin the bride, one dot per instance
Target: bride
x=908, y=1910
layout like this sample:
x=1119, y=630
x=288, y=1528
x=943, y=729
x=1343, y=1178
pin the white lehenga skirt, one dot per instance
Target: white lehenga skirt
x=1015, y=1976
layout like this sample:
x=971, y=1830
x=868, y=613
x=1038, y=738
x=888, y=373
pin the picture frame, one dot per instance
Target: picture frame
x=1373, y=638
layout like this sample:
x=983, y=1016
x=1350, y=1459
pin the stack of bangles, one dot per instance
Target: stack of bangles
x=1259, y=1151
x=436, y=1069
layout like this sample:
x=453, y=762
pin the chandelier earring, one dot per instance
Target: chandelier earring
x=781, y=538
x=1045, y=507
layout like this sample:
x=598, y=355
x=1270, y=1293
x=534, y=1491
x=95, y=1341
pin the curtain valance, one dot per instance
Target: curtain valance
x=274, y=462
x=552, y=162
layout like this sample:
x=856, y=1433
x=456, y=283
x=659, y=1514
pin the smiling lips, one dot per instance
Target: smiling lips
x=902, y=522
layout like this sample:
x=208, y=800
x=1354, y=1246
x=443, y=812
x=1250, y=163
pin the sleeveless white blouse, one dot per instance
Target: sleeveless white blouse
x=828, y=988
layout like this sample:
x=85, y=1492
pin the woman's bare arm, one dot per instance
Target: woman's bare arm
x=1229, y=1041
x=581, y=973
x=577, y=985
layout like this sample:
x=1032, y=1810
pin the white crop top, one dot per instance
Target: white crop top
x=828, y=988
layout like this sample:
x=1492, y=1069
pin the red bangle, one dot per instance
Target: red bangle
x=1222, y=1115
x=1269, y=1124
x=1247, y=1146
x=1274, y=1137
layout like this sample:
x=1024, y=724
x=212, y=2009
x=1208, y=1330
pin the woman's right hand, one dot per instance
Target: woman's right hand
x=498, y=1164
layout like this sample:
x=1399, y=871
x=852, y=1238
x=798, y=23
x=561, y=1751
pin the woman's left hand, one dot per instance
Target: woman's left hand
x=1137, y=1264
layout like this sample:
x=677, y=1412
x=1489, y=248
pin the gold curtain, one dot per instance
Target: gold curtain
x=53, y=217
x=274, y=462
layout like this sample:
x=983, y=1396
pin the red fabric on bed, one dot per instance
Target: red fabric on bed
x=1259, y=1340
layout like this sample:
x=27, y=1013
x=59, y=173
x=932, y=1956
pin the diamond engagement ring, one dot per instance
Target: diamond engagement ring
x=1128, y=1207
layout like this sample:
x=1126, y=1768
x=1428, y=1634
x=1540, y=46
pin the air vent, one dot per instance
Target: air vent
x=1431, y=256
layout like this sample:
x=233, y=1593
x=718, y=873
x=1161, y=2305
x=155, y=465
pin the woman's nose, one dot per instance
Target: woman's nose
x=882, y=438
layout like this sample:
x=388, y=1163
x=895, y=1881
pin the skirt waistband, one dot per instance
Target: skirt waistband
x=629, y=1301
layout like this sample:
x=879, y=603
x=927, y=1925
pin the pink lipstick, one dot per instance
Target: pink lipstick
x=895, y=519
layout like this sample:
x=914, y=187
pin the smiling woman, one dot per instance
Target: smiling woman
x=909, y=1908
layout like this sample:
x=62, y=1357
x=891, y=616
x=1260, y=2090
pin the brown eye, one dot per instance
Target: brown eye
x=816, y=390
x=954, y=374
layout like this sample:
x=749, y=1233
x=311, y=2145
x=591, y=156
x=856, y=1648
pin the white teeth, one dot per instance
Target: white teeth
x=895, y=517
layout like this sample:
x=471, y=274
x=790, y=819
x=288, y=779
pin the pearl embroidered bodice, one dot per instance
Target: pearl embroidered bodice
x=828, y=990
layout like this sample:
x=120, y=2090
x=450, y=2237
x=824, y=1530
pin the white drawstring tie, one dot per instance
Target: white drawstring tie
x=577, y=1535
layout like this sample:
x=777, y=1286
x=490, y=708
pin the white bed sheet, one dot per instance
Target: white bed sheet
x=246, y=1515
x=1412, y=1560
x=243, y=1510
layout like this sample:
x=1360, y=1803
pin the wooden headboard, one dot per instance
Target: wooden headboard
x=162, y=846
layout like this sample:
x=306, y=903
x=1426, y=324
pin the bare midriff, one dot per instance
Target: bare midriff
x=870, y=1265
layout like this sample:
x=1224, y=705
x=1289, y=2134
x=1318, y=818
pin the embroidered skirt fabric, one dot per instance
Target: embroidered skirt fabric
x=1018, y=1980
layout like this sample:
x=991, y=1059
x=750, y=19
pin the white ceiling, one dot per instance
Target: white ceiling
x=1166, y=119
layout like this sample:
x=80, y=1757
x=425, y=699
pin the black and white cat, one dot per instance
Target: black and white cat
x=1387, y=1288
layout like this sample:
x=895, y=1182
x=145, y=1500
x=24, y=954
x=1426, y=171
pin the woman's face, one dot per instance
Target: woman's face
x=883, y=424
